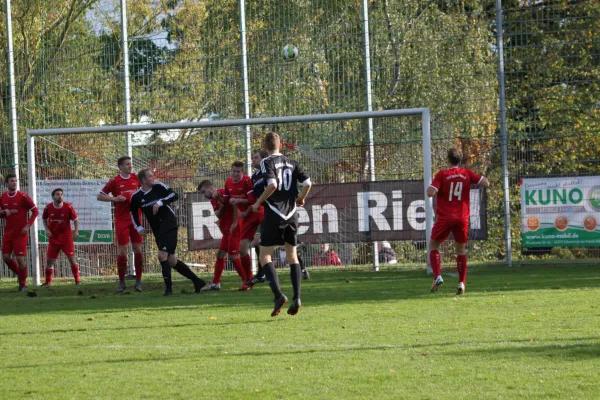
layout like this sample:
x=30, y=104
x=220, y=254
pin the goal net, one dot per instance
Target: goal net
x=346, y=211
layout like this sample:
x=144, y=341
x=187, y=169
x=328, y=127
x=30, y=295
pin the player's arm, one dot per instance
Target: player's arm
x=236, y=215
x=306, y=185
x=45, y=221
x=169, y=196
x=33, y=210
x=76, y=227
x=105, y=194
x=481, y=181
x=435, y=185
x=135, y=215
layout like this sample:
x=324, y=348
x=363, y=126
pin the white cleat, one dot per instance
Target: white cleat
x=460, y=290
x=437, y=283
x=211, y=286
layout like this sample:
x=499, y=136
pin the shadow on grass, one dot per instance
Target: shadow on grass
x=325, y=288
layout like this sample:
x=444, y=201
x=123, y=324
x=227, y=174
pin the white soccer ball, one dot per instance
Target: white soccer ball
x=289, y=52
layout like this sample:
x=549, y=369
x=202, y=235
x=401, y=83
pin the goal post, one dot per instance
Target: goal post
x=423, y=113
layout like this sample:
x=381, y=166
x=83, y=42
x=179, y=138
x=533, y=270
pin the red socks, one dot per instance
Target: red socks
x=247, y=264
x=219, y=268
x=461, y=265
x=436, y=262
x=237, y=264
x=13, y=266
x=122, y=267
x=139, y=265
x=23, y=277
x=75, y=271
x=48, y=274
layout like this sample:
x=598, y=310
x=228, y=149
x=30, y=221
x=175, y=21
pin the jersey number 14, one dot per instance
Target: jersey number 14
x=456, y=190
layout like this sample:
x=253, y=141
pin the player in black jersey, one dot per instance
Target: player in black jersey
x=154, y=199
x=280, y=226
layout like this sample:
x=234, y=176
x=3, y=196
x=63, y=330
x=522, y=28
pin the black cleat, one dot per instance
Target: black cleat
x=168, y=292
x=198, y=285
x=294, y=307
x=256, y=279
x=279, y=303
x=305, y=274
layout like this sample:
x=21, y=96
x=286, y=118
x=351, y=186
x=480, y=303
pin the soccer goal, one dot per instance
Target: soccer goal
x=370, y=172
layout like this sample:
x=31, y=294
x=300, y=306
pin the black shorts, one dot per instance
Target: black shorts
x=167, y=241
x=276, y=231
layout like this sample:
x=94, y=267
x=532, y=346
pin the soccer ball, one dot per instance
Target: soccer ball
x=289, y=52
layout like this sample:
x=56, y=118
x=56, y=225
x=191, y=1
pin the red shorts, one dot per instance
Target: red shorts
x=14, y=242
x=250, y=225
x=56, y=245
x=231, y=242
x=458, y=227
x=124, y=231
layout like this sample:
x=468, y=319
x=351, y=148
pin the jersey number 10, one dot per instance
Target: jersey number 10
x=456, y=190
x=284, y=176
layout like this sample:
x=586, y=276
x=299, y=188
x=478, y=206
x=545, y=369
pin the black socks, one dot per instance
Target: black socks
x=166, y=273
x=296, y=275
x=271, y=275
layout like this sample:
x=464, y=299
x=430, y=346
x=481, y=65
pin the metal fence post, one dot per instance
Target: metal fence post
x=503, y=135
x=35, y=255
x=13, y=95
x=369, y=99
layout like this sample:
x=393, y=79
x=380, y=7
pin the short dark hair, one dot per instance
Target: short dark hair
x=142, y=174
x=57, y=190
x=262, y=152
x=454, y=156
x=271, y=141
x=204, y=183
x=237, y=164
x=122, y=160
x=8, y=177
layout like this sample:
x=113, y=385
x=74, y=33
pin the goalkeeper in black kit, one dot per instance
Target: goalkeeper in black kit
x=154, y=199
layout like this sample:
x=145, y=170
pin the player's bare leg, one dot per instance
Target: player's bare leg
x=271, y=275
x=461, y=265
x=22, y=273
x=74, y=269
x=122, y=266
x=138, y=263
x=291, y=257
x=48, y=274
x=436, y=265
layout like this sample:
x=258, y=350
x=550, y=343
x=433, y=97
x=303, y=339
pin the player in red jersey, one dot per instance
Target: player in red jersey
x=119, y=191
x=230, y=228
x=240, y=191
x=57, y=217
x=452, y=189
x=14, y=207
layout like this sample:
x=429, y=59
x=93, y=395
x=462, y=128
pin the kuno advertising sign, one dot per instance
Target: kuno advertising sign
x=560, y=212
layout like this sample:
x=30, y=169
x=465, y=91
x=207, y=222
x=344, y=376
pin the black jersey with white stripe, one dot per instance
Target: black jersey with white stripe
x=258, y=182
x=285, y=173
x=165, y=219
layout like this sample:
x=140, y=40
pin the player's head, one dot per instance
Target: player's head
x=57, y=195
x=257, y=158
x=10, y=180
x=272, y=142
x=207, y=188
x=454, y=157
x=325, y=247
x=125, y=165
x=237, y=171
x=146, y=177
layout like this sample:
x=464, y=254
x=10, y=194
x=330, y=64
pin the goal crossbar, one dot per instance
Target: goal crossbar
x=423, y=112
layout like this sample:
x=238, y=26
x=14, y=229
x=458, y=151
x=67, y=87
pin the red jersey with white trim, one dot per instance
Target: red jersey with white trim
x=22, y=203
x=454, y=192
x=242, y=189
x=227, y=218
x=119, y=186
x=59, y=219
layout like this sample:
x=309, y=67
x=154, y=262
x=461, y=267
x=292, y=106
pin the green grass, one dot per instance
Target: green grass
x=526, y=332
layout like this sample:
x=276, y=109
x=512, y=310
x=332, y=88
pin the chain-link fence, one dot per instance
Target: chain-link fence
x=185, y=64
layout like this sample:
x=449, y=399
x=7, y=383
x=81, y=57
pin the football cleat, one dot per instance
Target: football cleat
x=294, y=307
x=245, y=287
x=168, y=292
x=211, y=286
x=460, y=290
x=22, y=289
x=138, y=286
x=121, y=288
x=256, y=279
x=279, y=303
x=305, y=274
x=77, y=283
x=437, y=283
x=45, y=285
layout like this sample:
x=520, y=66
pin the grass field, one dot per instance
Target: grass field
x=523, y=332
